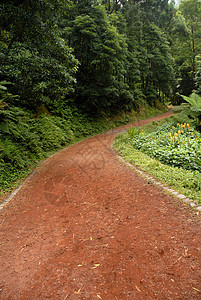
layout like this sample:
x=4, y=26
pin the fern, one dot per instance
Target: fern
x=194, y=100
x=194, y=105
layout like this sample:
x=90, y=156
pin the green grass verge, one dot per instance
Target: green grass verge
x=183, y=181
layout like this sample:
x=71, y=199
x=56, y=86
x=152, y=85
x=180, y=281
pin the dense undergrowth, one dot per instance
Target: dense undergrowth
x=25, y=139
x=170, y=152
x=178, y=145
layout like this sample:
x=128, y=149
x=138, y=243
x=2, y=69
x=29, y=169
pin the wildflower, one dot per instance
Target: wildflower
x=170, y=134
x=188, y=125
x=178, y=124
x=176, y=134
x=179, y=132
x=192, y=133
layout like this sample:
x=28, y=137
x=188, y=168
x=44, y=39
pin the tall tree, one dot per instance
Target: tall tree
x=191, y=10
x=150, y=46
x=186, y=44
x=33, y=55
x=102, y=53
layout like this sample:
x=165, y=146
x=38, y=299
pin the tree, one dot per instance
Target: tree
x=186, y=44
x=33, y=55
x=102, y=53
x=158, y=78
x=191, y=10
x=113, y=5
x=149, y=46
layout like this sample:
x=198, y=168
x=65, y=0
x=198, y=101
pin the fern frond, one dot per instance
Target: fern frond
x=189, y=100
x=196, y=98
x=196, y=109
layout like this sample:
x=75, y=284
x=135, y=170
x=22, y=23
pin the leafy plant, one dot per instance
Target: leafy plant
x=178, y=145
x=194, y=107
x=3, y=84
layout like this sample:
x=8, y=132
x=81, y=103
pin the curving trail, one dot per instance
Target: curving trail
x=85, y=226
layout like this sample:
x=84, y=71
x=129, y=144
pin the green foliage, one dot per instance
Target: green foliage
x=123, y=61
x=194, y=100
x=182, y=180
x=186, y=44
x=33, y=56
x=194, y=105
x=177, y=146
x=133, y=132
x=158, y=76
x=3, y=84
x=198, y=79
x=25, y=139
x=151, y=65
x=102, y=52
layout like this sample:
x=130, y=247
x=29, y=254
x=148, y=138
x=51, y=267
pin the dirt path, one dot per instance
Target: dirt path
x=85, y=226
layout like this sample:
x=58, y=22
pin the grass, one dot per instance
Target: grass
x=184, y=181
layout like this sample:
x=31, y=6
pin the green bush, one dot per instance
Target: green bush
x=179, y=145
x=24, y=139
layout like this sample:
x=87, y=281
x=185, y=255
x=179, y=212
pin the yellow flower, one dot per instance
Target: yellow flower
x=192, y=133
x=170, y=134
x=179, y=132
x=176, y=134
x=188, y=125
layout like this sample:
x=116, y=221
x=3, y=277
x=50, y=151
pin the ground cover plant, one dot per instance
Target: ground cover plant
x=177, y=145
x=171, y=153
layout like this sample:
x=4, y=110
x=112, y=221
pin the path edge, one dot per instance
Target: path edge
x=151, y=179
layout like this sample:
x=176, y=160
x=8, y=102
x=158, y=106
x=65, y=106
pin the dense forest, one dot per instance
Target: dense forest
x=65, y=64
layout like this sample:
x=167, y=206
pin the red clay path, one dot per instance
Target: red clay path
x=85, y=226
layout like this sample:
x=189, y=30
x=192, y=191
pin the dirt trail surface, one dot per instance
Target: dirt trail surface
x=85, y=226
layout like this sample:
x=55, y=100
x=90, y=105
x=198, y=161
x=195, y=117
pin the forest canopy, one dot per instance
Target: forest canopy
x=98, y=55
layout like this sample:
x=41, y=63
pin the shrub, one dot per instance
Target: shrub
x=179, y=145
